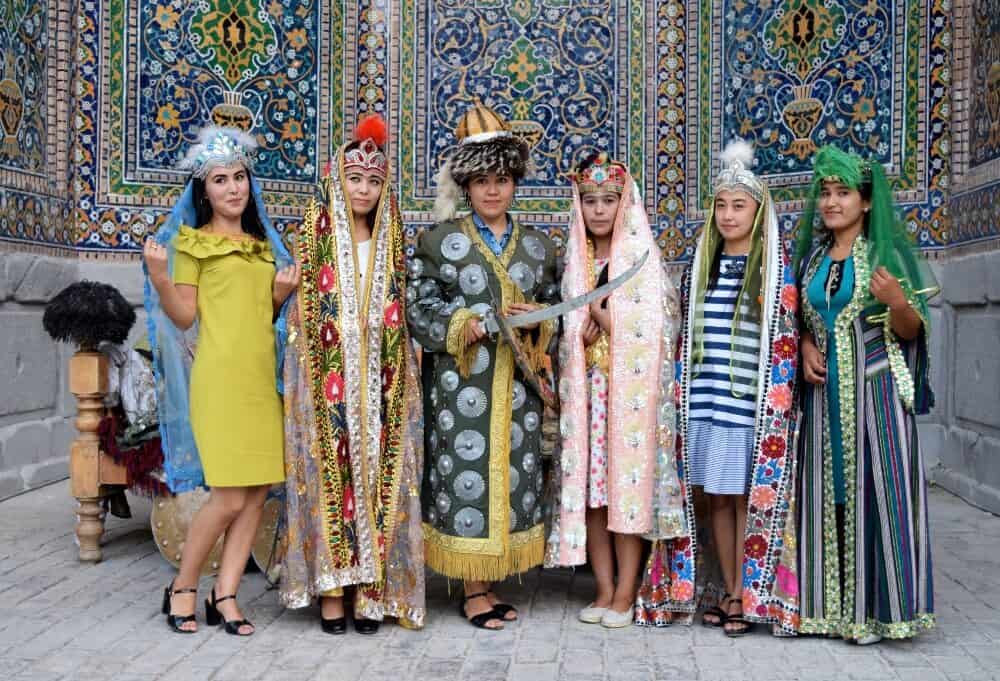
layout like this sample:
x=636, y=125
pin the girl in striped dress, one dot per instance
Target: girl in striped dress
x=737, y=359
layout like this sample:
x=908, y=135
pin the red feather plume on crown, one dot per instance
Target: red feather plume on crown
x=371, y=134
x=372, y=127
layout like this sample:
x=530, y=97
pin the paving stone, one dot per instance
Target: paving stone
x=61, y=619
x=535, y=671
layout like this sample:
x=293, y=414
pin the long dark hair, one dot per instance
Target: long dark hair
x=372, y=216
x=250, y=219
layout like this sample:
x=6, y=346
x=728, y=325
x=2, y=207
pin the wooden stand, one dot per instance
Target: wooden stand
x=90, y=468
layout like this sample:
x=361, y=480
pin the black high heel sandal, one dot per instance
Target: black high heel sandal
x=503, y=609
x=175, y=622
x=742, y=625
x=214, y=618
x=718, y=613
x=479, y=621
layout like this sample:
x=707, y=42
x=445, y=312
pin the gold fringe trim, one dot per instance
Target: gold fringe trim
x=521, y=557
x=537, y=350
x=455, y=343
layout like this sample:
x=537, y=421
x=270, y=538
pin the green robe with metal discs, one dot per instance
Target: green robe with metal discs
x=482, y=487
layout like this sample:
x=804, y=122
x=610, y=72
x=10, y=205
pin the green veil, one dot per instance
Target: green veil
x=889, y=244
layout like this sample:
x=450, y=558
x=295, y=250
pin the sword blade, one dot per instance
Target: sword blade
x=529, y=318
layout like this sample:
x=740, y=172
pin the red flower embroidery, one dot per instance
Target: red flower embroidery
x=790, y=298
x=784, y=347
x=393, y=318
x=763, y=497
x=323, y=224
x=326, y=279
x=756, y=546
x=781, y=397
x=388, y=373
x=328, y=335
x=342, y=451
x=334, y=387
x=773, y=446
x=681, y=590
x=348, y=503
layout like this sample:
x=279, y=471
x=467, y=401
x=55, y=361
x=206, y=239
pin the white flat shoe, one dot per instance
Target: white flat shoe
x=617, y=620
x=869, y=639
x=592, y=614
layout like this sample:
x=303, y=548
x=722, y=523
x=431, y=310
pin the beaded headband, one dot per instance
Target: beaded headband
x=866, y=177
x=367, y=158
x=602, y=175
x=219, y=147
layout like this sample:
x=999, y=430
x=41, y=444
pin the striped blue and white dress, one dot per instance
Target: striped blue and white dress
x=723, y=393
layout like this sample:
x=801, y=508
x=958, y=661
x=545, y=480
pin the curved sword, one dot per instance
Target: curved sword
x=558, y=310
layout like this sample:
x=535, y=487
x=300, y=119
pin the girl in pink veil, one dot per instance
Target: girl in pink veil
x=616, y=478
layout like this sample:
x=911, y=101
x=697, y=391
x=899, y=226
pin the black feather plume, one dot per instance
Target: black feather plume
x=87, y=313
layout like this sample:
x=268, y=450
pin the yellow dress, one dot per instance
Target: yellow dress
x=236, y=412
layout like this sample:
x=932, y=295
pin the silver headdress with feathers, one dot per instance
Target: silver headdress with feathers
x=217, y=147
x=737, y=159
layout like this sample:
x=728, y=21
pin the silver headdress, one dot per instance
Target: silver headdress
x=217, y=147
x=737, y=159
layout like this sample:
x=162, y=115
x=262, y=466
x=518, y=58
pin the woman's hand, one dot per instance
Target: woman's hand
x=286, y=281
x=601, y=315
x=155, y=255
x=887, y=290
x=474, y=331
x=521, y=308
x=813, y=362
x=591, y=332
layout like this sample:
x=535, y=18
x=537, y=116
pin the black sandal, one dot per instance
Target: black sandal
x=176, y=621
x=479, y=621
x=503, y=609
x=214, y=618
x=743, y=626
x=717, y=612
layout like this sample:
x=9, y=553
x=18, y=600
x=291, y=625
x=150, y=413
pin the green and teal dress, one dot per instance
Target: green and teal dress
x=864, y=545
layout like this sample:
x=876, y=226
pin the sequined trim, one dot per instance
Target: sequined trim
x=891, y=630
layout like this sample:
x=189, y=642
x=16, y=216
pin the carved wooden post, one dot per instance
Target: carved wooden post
x=88, y=380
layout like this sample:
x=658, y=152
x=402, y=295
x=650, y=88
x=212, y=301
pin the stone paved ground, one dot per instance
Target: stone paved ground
x=63, y=620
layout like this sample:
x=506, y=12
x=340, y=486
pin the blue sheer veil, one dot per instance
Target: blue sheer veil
x=173, y=349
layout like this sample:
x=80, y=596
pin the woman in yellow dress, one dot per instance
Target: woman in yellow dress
x=218, y=266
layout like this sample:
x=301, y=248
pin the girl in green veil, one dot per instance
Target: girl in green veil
x=864, y=550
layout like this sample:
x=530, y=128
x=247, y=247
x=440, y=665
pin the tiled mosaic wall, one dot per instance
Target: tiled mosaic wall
x=35, y=110
x=975, y=191
x=662, y=84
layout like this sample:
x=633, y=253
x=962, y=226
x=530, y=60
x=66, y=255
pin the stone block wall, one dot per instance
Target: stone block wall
x=37, y=411
x=36, y=407
x=961, y=438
